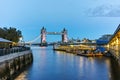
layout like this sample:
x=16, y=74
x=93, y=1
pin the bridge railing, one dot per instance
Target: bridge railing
x=6, y=51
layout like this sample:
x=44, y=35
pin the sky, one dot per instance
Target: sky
x=82, y=18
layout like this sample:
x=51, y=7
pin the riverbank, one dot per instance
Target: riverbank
x=73, y=47
x=86, y=52
x=12, y=64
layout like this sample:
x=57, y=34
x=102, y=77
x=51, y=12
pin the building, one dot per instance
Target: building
x=104, y=39
x=114, y=44
x=85, y=40
x=101, y=43
x=4, y=43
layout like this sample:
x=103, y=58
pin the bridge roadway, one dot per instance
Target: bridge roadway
x=54, y=33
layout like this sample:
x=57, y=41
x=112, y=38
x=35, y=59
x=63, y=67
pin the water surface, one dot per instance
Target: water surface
x=54, y=65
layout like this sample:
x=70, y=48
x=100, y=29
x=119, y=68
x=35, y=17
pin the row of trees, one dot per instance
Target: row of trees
x=11, y=34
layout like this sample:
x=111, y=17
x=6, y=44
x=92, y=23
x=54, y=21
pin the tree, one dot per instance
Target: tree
x=11, y=34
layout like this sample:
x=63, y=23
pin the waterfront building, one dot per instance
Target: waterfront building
x=101, y=43
x=114, y=44
x=85, y=40
x=88, y=43
x=103, y=40
x=106, y=37
x=4, y=43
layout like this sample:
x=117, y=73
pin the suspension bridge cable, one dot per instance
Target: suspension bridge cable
x=34, y=39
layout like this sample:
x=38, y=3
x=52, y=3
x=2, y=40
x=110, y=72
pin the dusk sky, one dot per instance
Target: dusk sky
x=82, y=18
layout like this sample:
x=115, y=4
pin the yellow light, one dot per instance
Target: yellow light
x=71, y=45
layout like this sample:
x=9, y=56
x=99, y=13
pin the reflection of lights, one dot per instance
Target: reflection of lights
x=60, y=52
x=22, y=76
x=109, y=75
x=81, y=62
x=107, y=61
x=43, y=47
x=91, y=60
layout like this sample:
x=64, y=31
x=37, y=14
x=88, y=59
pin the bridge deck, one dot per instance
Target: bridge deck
x=54, y=33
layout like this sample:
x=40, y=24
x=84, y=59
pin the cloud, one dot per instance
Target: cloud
x=104, y=11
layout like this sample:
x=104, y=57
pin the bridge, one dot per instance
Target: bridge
x=44, y=33
x=64, y=39
x=43, y=36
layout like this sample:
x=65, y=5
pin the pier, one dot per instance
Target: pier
x=74, y=48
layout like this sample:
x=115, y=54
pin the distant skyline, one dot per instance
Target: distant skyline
x=83, y=19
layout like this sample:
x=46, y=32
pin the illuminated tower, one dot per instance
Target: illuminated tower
x=64, y=35
x=43, y=35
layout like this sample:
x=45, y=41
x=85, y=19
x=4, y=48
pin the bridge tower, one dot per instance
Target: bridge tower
x=43, y=35
x=64, y=35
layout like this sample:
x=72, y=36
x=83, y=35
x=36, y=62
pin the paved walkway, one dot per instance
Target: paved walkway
x=13, y=55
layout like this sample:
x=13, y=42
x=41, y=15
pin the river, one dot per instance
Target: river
x=55, y=65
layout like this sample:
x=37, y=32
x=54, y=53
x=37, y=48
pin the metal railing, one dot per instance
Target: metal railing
x=6, y=51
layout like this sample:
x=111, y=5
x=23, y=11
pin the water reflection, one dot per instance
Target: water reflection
x=54, y=65
x=22, y=76
x=114, y=70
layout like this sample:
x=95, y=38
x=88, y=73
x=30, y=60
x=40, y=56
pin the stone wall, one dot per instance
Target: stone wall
x=11, y=67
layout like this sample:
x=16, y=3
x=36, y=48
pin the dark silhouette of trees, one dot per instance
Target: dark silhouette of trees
x=11, y=34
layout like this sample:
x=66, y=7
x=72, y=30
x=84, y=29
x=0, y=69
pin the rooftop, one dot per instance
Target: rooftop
x=4, y=41
x=116, y=31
